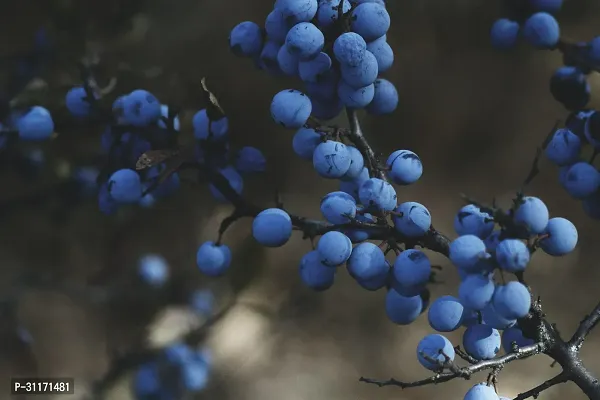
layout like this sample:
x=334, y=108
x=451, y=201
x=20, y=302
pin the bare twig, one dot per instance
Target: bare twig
x=585, y=327
x=464, y=372
x=535, y=392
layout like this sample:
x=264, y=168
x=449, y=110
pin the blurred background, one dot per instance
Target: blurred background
x=475, y=117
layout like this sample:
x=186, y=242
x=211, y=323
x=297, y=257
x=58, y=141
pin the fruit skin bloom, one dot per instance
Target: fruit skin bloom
x=125, y=186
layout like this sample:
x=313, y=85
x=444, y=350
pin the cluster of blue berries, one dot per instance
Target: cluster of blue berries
x=180, y=368
x=489, y=309
x=534, y=21
x=336, y=47
x=141, y=125
x=178, y=371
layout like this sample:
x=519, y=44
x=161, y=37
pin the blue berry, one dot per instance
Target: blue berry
x=290, y=108
x=246, y=39
x=272, y=227
x=125, y=186
x=213, y=259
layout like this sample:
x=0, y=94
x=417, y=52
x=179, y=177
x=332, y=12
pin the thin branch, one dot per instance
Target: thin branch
x=137, y=357
x=464, y=372
x=585, y=327
x=357, y=137
x=535, y=392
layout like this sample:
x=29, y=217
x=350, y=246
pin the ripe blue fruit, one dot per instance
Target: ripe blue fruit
x=305, y=142
x=476, y=291
x=541, y=30
x=377, y=282
x=268, y=57
x=370, y=20
x=153, y=269
x=206, y=129
x=328, y=12
x=325, y=88
x=355, y=98
x=402, y=310
x=277, y=26
x=250, y=160
x=202, y=301
x=481, y=391
x=236, y=182
x=295, y=11
x=446, y=314
x=492, y=241
x=562, y=237
x=358, y=235
x=366, y=262
x=290, y=108
x=470, y=220
x=76, y=103
x=106, y=204
x=385, y=100
x=564, y=147
x=334, y=248
x=593, y=52
x=512, y=255
x=481, y=342
x=582, y=180
x=467, y=252
x=272, y=227
x=357, y=165
x=412, y=268
x=383, y=53
x=331, y=159
x=313, y=70
x=377, y=194
x=125, y=186
x=146, y=381
x=512, y=300
x=194, y=376
x=363, y=74
x=435, y=347
x=288, y=62
x=533, y=214
x=246, y=39
x=35, y=124
x=337, y=207
x=405, y=167
x=305, y=40
x=492, y=318
x=592, y=130
x=213, y=259
x=140, y=108
x=514, y=334
x=314, y=273
x=349, y=49
x=415, y=220
x=504, y=34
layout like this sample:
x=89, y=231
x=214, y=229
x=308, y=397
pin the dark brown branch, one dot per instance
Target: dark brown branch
x=464, y=372
x=357, y=137
x=433, y=240
x=535, y=392
x=585, y=327
x=135, y=358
